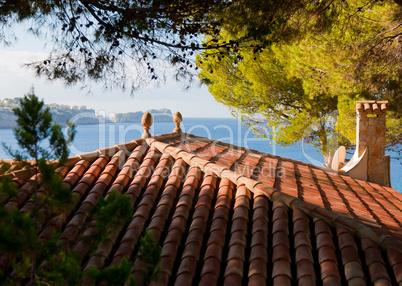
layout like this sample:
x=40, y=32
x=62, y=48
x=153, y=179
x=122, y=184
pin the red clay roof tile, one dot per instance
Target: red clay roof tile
x=329, y=268
x=258, y=267
x=307, y=281
x=326, y=253
x=281, y=268
x=353, y=270
x=232, y=215
x=233, y=279
x=378, y=274
x=280, y=238
x=259, y=251
x=304, y=253
x=305, y=267
x=281, y=251
x=236, y=251
x=302, y=239
x=211, y=268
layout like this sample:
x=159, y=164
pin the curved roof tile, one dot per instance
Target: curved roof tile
x=229, y=215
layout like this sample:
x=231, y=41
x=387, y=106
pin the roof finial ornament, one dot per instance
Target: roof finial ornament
x=177, y=119
x=146, y=121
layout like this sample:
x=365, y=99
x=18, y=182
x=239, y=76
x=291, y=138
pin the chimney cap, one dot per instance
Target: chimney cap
x=371, y=105
x=365, y=101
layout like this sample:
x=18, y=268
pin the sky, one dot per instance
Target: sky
x=16, y=80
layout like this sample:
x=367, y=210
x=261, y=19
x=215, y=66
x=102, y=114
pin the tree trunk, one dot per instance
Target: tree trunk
x=328, y=159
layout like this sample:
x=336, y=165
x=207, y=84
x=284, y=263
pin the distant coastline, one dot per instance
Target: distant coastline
x=79, y=115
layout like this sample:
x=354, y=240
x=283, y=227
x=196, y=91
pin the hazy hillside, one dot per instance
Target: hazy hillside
x=77, y=114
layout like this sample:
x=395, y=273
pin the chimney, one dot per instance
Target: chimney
x=370, y=135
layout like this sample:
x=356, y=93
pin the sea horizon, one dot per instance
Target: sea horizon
x=91, y=137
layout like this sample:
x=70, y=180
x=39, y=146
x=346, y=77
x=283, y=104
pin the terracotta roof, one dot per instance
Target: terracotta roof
x=229, y=215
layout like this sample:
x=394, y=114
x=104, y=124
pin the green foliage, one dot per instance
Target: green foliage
x=8, y=189
x=18, y=238
x=17, y=231
x=263, y=91
x=43, y=261
x=39, y=260
x=100, y=40
x=111, y=213
x=59, y=197
x=22, y=269
x=62, y=268
x=114, y=275
x=293, y=88
x=35, y=127
x=149, y=252
x=129, y=43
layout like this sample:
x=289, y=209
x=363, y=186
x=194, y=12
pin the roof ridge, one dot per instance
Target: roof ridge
x=109, y=151
x=340, y=173
x=203, y=139
x=314, y=211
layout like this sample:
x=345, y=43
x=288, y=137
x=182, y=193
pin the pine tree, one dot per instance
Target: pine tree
x=290, y=89
x=35, y=260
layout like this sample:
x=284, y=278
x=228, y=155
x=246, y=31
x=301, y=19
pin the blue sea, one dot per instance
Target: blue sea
x=228, y=130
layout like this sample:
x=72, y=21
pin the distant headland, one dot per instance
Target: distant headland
x=79, y=115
